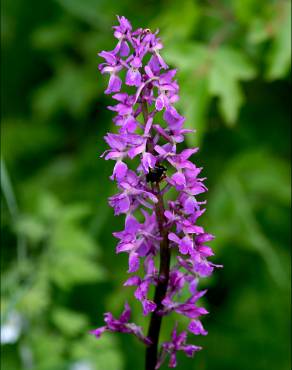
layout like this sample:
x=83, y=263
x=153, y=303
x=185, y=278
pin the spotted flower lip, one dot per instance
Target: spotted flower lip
x=144, y=89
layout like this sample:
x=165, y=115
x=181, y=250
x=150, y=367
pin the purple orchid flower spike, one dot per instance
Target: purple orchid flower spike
x=148, y=164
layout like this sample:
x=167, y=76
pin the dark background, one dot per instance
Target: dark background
x=59, y=268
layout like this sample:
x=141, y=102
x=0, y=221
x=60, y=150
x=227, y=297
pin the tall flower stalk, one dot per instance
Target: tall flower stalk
x=158, y=190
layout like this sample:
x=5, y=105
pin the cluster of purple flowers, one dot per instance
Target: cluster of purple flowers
x=150, y=129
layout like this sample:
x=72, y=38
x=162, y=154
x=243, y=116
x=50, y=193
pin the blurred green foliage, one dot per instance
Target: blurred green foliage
x=59, y=269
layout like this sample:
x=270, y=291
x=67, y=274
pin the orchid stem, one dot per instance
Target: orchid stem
x=161, y=288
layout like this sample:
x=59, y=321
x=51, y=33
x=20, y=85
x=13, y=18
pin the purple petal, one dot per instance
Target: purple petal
x=179, y=180
x=159, y=103
x=148, y=71
x=197, y=328
x=134, y=262
x=120, y=171
x=205, y=251
x=125, y=24
x=131, y=224
x=161, y=61
x=148, y=126
x=169, y=215
x=190, y=349
x=203, y=238
x=148, y=161
x=174, y=120
x=121, y=97
x=154, y=64
x=114, y=84
x=125, y=247
x=148, y=306
x=167, y=76
x=172, y=361
x=109, y=57
x=133, y=280
x=124, y=49
x=137, y=150
x=133, y=77
x=120, y=203
x=190, y=205
x=185, y=245
x=185, y=154
x=174, y=238
x=136, y=63
x=97, y=332
x=126, y=314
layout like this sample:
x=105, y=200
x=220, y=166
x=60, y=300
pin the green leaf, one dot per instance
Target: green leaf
x=72, y=88
x=246, y=10
x=47, y=349
x=258, y=31
x=184, y=25
x=194, y=104
x=263, y=175
x=249, y=181
x=279, y=57
x=69, y=269
x=31, y=228
x=53, y=36
x=104, y=353
x=69, y=322
x=96, y=13
x=36, y=299
x=193, y=61
x=71, y=238
x=189, y=57
x=48, y=207
x=228, y=69
x=33, y=137
x=229, y=93
x=252, y=233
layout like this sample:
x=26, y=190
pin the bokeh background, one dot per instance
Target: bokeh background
x=59, y=268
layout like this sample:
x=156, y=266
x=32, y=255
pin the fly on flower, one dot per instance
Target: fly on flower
x=157, y=174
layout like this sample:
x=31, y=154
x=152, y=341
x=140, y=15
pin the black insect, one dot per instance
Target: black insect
x=157, y=174
x=145, y=32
